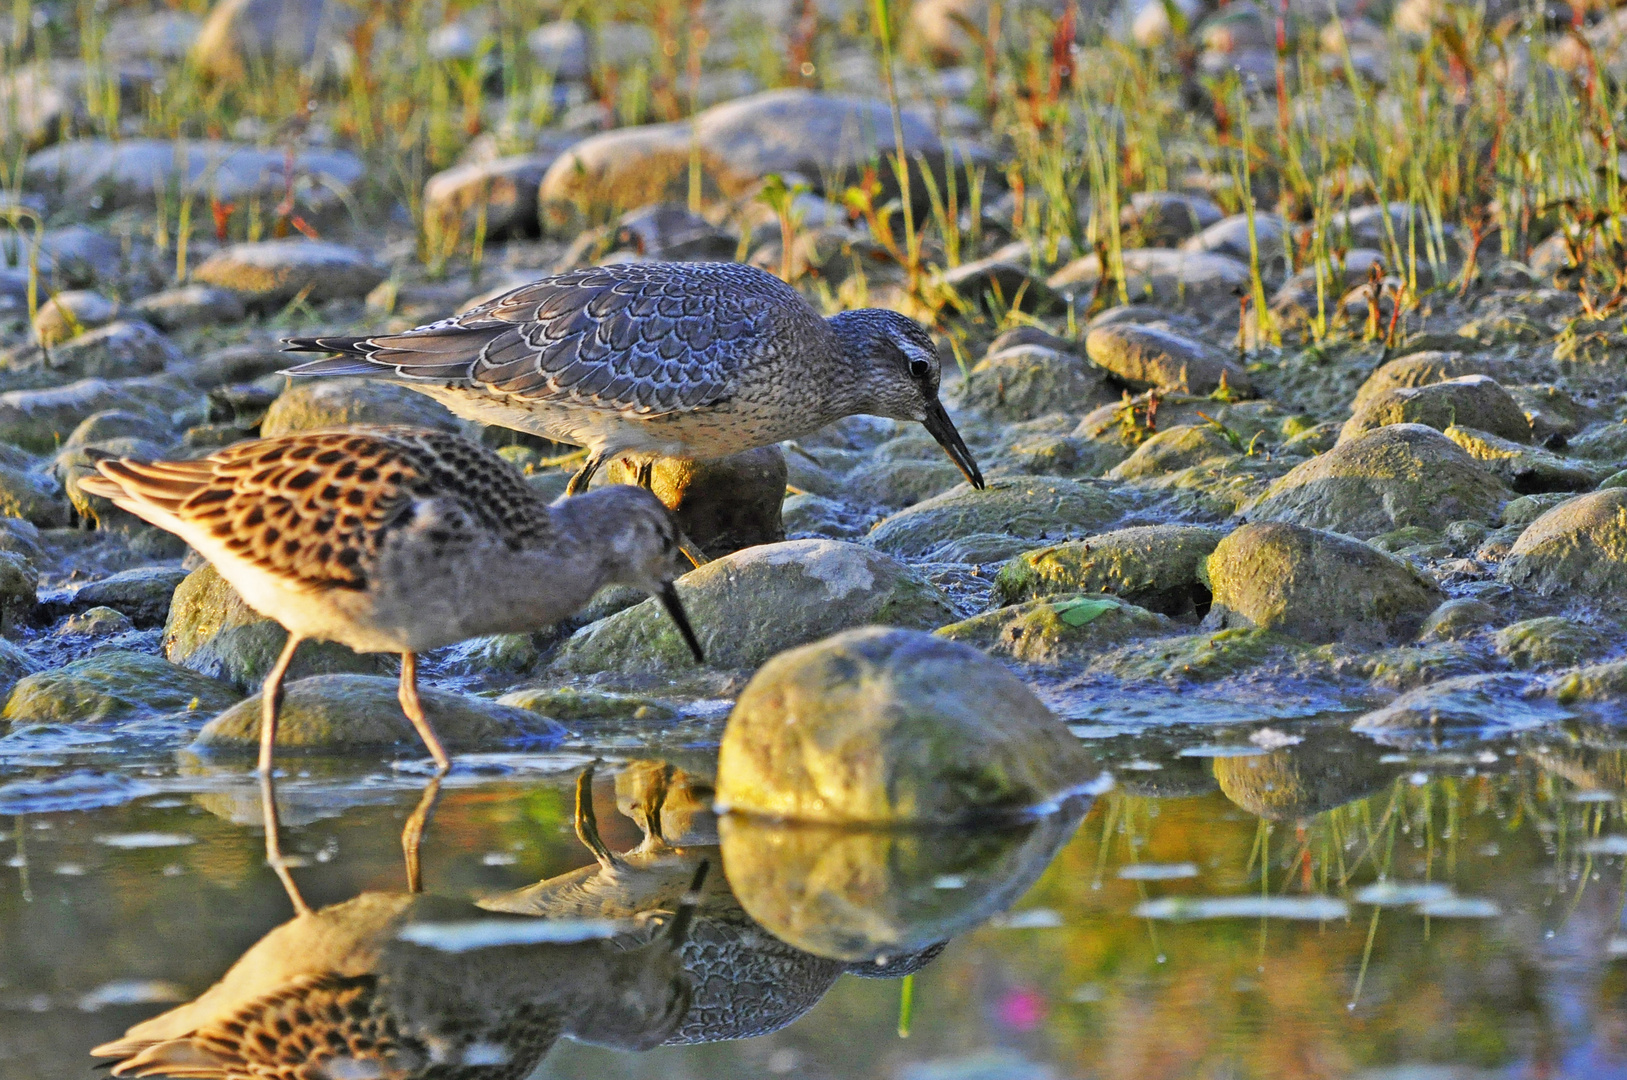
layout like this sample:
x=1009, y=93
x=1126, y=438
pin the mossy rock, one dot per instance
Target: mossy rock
x=114, y=685
x=1034, y=508
x=1457, y=619
x=35, y=497
x=1145, y=357
x=15, y=665
x=1403, y=474
x=211, y=630
x=888, y=727
x=341, y=712
x=1579, y=549
x=1154, y=566
x=1173, y=449
x=1552, y=641
x=747, y=606
x=1473, y=401
x=40, y=420
x=1526, y=469
x=1600, y=684
x=1316, y=586
x=1602, y=442
x=1196, y=658
x=1057, y=630
x=1468, y=701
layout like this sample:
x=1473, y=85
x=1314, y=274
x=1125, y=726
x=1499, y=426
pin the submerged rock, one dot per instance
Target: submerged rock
x=1056, y=630
x=114, y=685
x=209, y=629
x=1577, y=549
x=747, y=606
x=1399, y=475
x=1316, y=586
x=1471, y=701
x=881, y=726
x=341, y=712
x=1155, y=566
x=1033, y=508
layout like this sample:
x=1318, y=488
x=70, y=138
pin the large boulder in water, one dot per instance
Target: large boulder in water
x=893, y=727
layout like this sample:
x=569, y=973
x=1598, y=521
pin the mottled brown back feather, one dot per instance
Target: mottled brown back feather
x=318, y=507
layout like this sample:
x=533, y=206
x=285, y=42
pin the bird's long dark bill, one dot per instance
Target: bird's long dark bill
x=675, y=608
x=943, y=429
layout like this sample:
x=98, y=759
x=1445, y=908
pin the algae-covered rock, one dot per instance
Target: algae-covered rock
x=1155, y=566
x=14, y=666
x=209, y=629
x=1551, y=641
x=1602, y=442
x=1599, y=684
x=114, y=685
x=1026, y=381
x=1579, y=548
x=1057, y=630
x=19, y=589
x=1402, y=474
x=1473, y=401
x=1173, y=449
x=313, y=404
x=881, y=726
x=1526, y=469
x=340, y=712
x=1304, y=780
x=754, y=603
x=1035, y=508
x=1145, y=357
x=1313, y=585
x=871, y=895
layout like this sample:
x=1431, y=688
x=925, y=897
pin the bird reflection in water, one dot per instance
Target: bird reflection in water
x=392, y=986
x=637, y=949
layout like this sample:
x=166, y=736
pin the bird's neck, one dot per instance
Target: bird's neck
x=854, y=339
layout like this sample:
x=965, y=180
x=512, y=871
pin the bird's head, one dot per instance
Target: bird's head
x=897, y=370
x=637, y=541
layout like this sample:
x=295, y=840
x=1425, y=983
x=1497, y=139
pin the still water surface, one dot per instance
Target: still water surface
x=1288, y=901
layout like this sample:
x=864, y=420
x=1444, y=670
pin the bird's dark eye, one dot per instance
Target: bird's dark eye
x=920, y=369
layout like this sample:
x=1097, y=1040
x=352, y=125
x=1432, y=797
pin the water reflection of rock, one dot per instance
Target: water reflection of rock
x=864, y=895
x=746, y=981
x=1329, y=769
x=1591, y=756
x=394, y=985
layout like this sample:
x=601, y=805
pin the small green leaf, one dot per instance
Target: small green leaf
x=1081, y=611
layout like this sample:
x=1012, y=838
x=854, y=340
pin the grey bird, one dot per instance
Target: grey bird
x=397, y=540
x=687, y=360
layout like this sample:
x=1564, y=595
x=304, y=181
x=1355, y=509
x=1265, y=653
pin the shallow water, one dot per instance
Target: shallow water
x=1279, y=900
